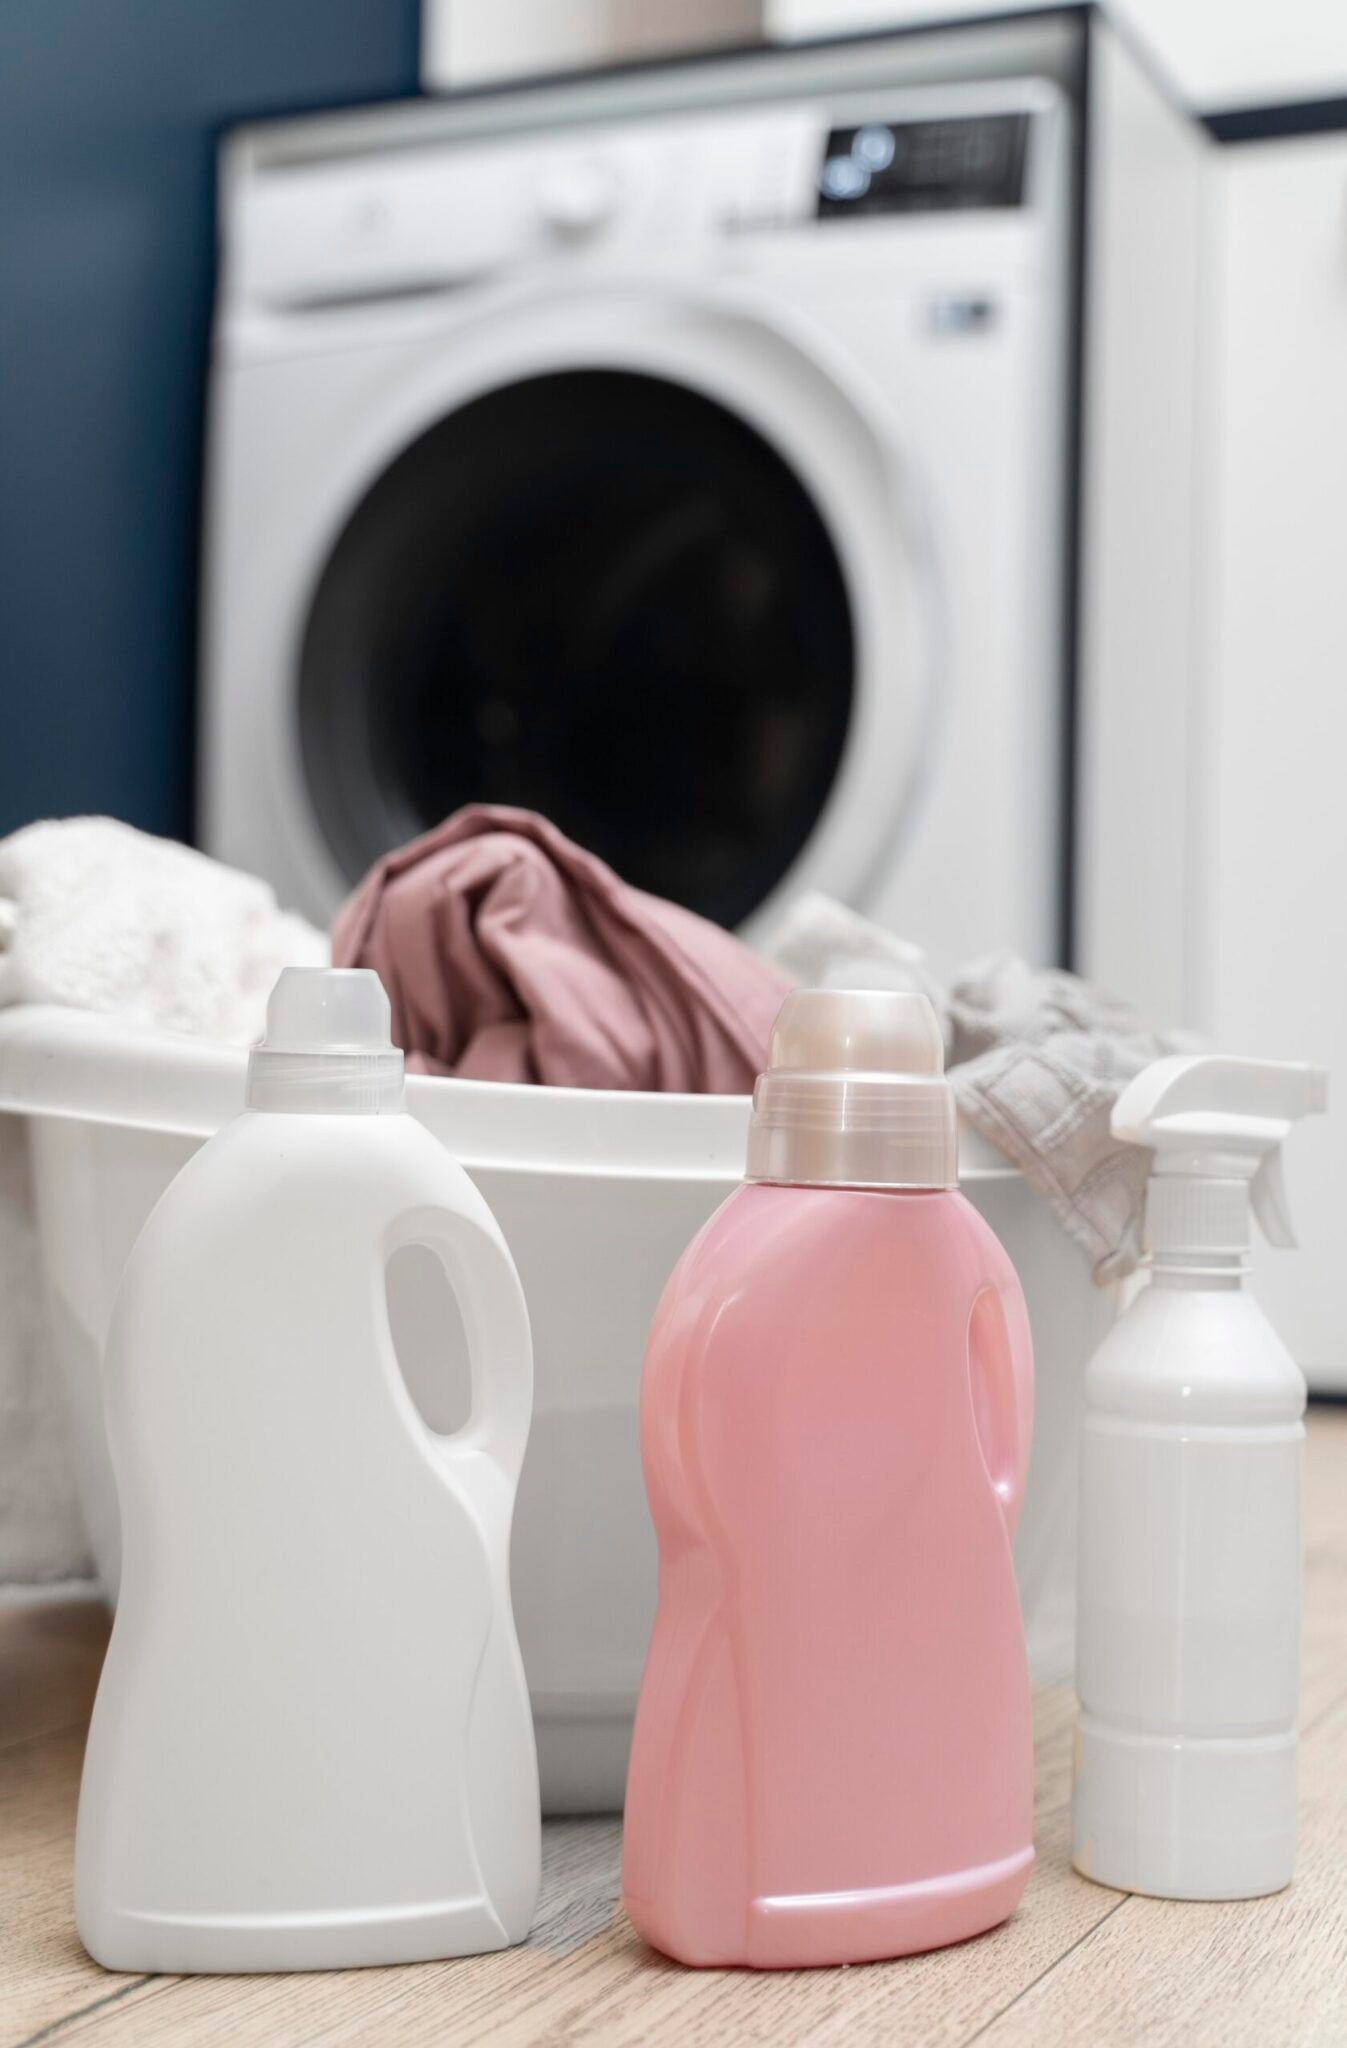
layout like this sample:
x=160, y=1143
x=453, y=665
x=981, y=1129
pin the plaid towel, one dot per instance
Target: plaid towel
x=1038, y=1061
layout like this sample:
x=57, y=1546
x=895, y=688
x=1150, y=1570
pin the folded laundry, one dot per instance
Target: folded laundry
x=1037, y=1060
x=509, y=954
x=98, y=916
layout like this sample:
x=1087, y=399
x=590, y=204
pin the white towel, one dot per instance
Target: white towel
x=101, y=917
x=1037, y=1060
x=822, y=943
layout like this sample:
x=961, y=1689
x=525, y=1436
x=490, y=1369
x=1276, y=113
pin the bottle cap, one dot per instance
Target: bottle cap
x=854, y=1094
x=327, y=1046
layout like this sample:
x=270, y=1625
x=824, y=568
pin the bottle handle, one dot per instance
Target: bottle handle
x=486, y=1286
x=1001, y=1378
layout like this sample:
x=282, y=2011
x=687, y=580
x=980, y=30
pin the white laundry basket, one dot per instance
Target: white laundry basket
x=597, y=1194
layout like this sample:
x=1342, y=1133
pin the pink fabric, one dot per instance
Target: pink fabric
x=509, y=954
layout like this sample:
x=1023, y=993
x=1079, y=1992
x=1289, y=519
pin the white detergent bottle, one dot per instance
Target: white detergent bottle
x=1188, y=1619
x=312, y=1744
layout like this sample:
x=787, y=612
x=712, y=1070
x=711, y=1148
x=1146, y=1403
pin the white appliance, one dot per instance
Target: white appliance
x=1267, y=819
x=697, y=477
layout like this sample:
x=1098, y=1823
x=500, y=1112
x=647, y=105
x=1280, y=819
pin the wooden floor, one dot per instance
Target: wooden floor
x=1077, y=1964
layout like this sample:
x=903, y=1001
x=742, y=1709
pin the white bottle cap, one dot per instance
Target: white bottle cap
x=854, y=1094
x=1216, y=1126
x=328, y=1045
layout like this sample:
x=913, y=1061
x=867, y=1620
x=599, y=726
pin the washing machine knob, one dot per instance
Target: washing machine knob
x=577, y=198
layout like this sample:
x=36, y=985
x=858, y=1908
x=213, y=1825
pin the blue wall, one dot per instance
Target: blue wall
x=109, y=112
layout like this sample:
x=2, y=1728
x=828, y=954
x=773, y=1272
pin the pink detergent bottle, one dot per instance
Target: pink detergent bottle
x=832, y=1759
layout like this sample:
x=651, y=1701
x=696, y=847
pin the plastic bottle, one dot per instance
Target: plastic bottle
x=832, y=1753
x=1188, y=1614
x=311, y=1745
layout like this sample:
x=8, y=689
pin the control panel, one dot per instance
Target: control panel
x=313, y=234
x=938, y=166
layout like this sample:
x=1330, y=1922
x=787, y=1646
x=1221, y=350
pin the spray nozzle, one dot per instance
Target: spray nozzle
x=1216, y=1126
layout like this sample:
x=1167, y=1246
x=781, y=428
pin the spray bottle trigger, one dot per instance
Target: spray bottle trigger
x=1267, y=1192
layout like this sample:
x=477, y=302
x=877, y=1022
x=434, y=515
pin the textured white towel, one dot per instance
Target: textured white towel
x=101, y=917
x=1037, y=1060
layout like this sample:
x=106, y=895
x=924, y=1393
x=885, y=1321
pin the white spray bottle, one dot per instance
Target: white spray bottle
x=1188, y=1616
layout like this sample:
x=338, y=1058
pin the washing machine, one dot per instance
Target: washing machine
x=694, y=475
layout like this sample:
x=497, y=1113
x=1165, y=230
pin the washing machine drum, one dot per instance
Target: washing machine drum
x=601, y=595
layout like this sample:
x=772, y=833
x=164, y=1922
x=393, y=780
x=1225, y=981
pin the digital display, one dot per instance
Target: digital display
x=924, y=166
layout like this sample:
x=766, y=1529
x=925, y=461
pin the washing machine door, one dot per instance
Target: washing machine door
x=646, y=566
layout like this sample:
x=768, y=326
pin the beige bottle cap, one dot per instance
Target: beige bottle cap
x=854, y=1094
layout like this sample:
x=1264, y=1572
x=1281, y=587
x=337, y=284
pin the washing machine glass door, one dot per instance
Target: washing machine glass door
x=602, y=595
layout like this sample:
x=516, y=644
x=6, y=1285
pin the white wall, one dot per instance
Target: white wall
x=1217, y=53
